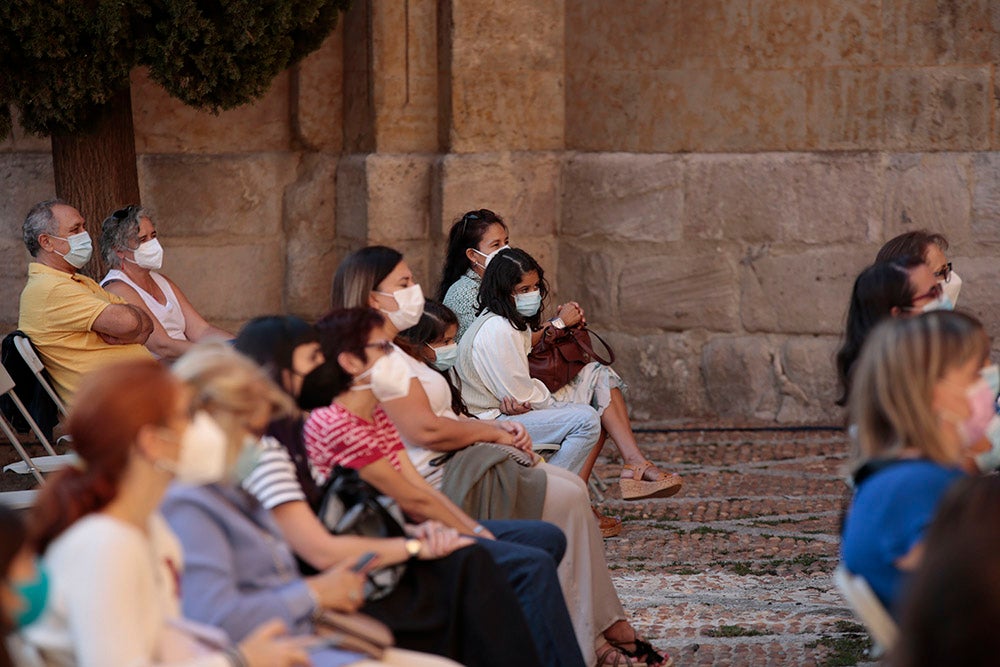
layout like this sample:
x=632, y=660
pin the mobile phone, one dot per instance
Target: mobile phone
x=363, y=561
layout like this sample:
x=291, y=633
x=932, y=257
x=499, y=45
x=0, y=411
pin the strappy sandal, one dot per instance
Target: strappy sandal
x=635, y=487
x=610, y=655
x=611, y=526
x=643, y=651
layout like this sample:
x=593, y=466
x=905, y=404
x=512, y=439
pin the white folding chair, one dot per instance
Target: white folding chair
x=23, y=345
x=37, y=465
x=867, y=607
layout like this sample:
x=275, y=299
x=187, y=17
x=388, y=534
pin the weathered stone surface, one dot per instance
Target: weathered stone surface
x=25, y=179
x=602, y=110
x=523, y=188
x=618, y=195
x=482, y=32
x=166, y=125
x=807, y=382
x=986, y=197
x=678, y=292
x=845, y=110
x=13, y=274
x=800, y=291
x=783, y=197
x=319, y=88
x=589, y=276
x=399, y=192
x=352, y=197
x=663, y=373
x=310, y=236
x=229, y=196
x=979, y=297
x=739, y=377
x=938, y=108
x=234, y=283
x=928, y=191
x=815, y=32
x=20, y=141
x=927, y=32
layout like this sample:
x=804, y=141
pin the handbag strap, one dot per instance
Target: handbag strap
x=589, y=349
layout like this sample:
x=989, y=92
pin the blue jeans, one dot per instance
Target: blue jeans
x=574, y=426
x=528, y=553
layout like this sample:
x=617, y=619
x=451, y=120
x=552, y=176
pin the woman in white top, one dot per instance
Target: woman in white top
x=132, y=250
x=112, y=562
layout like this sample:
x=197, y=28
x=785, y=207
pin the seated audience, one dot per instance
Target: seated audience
x=437, y=604
x=930, y=248
x=133, y=252
x=111, y=560
x=951, y=612
x=24, y=584
x=496, y=383
x=76, y=326
x=239, y=573
x=919, y=403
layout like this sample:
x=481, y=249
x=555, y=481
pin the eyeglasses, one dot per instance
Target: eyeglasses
x=385, y=346
x=944, y=273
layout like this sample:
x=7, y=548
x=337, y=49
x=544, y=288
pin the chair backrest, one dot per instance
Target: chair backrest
x=23, y=345
x=6, y=381
x=867, y=607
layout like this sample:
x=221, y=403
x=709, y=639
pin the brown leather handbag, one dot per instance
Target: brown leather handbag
x=562, y=353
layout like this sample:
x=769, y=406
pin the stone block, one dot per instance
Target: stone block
x=25, y=180
x=589, y=276
x=523, y=188
x=844, y=108
x=620, y=195
x=979, y=296
x=986, y=197
x=603, y=109
x=13, y=274
x=225, y=196
x=928, y=191
x=166, y=125
x=928, y=32
x=677, y=292
x=310, y=201
x=506, y=110
x=308, y=275
x=807, y=381
x=938, y=108
x=815, y=33
x=406, y=113
x=739, y=377
x=800, y=291
x=663, y=373
x=398, y=197
x=482, y=30
x=783, y=197
x=319, y=90
x=721, y=110
x=352, y=197
x=229, y=282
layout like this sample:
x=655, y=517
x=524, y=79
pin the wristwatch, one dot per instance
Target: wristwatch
x=557, y=322
x=413, y=547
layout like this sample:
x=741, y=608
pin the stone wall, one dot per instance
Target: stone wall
x=706, y=177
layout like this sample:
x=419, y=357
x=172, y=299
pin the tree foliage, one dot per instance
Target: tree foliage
x=61, y=60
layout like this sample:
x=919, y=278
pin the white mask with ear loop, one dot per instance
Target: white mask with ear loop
x=411, y=306
x=488, y=257
x=390, y=378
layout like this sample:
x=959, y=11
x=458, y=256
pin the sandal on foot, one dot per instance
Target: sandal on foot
x=611, y=656
x=611, y=526
x=643, y=651
x=635, y=487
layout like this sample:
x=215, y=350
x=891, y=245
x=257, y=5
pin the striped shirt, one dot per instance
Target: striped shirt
x=335, y=436
x=273, y=481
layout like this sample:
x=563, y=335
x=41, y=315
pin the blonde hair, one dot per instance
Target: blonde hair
x=230, y=387
x=893, y=383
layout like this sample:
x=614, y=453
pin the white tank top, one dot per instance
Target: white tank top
x=170, y=315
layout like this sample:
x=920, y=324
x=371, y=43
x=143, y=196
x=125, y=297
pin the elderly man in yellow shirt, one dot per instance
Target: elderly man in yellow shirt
x=76, y=325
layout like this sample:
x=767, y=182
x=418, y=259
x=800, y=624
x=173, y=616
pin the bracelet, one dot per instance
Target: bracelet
x=235, y=657
x=478, y=529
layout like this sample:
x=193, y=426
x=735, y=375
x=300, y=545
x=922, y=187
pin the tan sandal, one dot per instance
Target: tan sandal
x=635, y=487
x=611, y=526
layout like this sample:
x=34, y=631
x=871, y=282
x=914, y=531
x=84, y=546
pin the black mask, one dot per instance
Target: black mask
x=317, y=391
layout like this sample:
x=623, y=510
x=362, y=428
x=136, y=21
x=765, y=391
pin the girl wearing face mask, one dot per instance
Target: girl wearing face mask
x=930, y=247
x=239, y=571
x=919, y=402
x=473, y=242
x=112, y=561
x=133, y=251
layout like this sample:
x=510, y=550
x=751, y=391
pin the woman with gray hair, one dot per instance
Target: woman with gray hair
x=132, y=250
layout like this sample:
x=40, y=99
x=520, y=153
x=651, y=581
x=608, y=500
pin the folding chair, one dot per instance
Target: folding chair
x=36, y=466
x=866, y=606
x=23, y=345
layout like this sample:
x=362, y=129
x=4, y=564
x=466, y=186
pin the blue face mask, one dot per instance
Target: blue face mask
x=34, y=594
x=528, y=304
x=940, y=303
x=991, y=374
x=445, y=356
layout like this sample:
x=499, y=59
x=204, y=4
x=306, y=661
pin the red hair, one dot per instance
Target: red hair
x=110, y=407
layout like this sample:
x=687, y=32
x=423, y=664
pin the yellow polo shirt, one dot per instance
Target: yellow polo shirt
x=57, y=311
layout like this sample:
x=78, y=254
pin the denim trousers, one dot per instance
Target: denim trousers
x=573, y=426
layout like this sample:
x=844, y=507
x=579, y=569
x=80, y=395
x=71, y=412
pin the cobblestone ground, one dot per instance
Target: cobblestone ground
x=736, y=569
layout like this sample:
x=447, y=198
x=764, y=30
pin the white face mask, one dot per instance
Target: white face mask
x=444, y=356
x=952, y=288
x=148, y=255
x=390, y=378
x=80, y=249
x=202, y=456
x=488, y=258
x=411, y=306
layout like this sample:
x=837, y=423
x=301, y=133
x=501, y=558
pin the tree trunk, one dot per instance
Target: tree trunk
x=96, y=172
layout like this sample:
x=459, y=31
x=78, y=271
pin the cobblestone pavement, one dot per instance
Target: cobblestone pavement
x=736, y=569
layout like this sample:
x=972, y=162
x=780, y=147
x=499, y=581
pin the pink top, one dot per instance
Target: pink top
x=335, y=436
